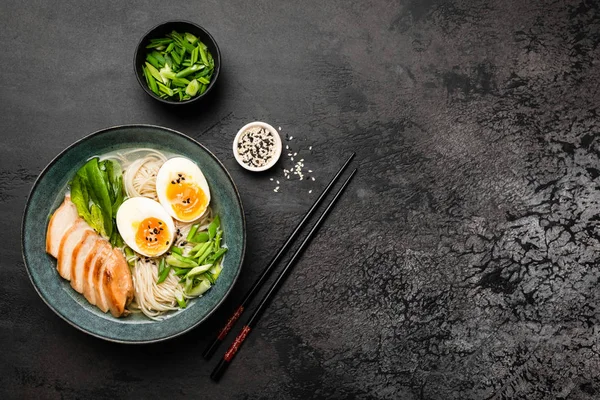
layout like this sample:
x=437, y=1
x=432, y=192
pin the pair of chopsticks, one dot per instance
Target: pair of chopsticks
x=253, y=320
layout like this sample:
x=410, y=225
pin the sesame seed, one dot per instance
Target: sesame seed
x=310, y=147
x=310, y=170
x=310, y=191
x=279, y=128
x=295, y=154
x=313, y=178
x=271, y=179
x=278, y=182
x=291, y=137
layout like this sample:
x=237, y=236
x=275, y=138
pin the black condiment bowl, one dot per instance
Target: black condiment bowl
x=162, y=30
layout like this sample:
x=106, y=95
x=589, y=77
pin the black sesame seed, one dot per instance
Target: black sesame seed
x=160, y=223
x=172, y=182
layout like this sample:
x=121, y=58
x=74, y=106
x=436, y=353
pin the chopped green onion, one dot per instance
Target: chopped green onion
x=163, y=271
x=212, y=228
x=206, y=253
x=199, y=289
x=200, y=237
x=180, y=300
x=170, y=59
x=200, y=248
x=177, y=250
x=194, y=56
x=192, y=88
x=175, y=262
x=192, y=232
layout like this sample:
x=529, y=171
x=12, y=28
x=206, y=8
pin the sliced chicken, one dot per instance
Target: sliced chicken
x=98, y=283
x=117, y=283
x=82, y=254
x=62, y=219
x=72, y=237
x=94, y=268
x=100, y=252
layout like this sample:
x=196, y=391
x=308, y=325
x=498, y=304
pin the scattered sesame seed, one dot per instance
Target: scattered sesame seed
x=295, y=154
x=271, y=179
x=313, y=178
x=278, y=182
x=291, y=137
x=310, y=170
x=310, y=191
x=292, y=158
x=279, y=128
x=310, y=147
x=287, y=147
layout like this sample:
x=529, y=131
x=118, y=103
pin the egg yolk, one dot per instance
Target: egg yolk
x=152, y=236
x=187, y=199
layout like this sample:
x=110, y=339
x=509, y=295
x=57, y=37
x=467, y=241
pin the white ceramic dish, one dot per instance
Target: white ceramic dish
x=278, y=146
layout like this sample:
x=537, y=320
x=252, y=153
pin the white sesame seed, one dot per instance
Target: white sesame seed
x=278, y=182
x=292, y=158
x=287, y=147
x=279, y=128
x=313, y=178
x=310, y=148
x=310, y=170
x=295, y=154
x=291, y=137
x=310, y=191
x=300, y=177
x=275, y=190
x=301, y=159
x=271, y=179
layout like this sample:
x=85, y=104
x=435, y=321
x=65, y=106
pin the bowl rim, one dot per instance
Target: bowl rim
x=99, y=132
x=195, y=98
x=278, y=145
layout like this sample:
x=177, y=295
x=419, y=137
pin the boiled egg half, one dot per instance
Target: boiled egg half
x=182, y=189
x=145, y=226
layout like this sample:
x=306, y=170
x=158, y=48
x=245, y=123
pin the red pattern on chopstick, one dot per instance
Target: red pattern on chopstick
x=237, y=343
x=230, y=323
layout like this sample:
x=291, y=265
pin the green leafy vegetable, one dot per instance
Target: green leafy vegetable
x=97, y=192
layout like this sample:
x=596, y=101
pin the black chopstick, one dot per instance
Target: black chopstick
x=210, y=350
x=239, y=340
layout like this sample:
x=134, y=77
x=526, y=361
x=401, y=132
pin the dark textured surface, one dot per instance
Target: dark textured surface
x=460, y=264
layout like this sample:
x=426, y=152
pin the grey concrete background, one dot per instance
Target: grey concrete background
x=460, y=264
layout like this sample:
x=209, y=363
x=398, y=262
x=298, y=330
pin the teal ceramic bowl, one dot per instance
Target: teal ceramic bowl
x=47, y=194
